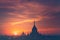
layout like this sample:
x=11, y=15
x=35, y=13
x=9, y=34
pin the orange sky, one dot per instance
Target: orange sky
x=18, y=16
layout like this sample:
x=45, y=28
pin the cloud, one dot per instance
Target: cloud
x=24, y=21
x=52, y=20
x=46, y=12
x=3, y=10
x=27, y=10
x=6, y=4
x=47, y=2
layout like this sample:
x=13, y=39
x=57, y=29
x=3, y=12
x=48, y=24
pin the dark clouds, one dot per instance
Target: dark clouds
x=3, y=10
x=53, y=20
x=56, y=19
x=6, y=4
x=47, y=2
x=4, y=14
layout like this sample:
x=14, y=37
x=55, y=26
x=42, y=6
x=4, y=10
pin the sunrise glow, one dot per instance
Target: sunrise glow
x=15, y=33
x=17, y=16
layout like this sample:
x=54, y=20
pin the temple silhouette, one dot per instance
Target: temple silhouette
x=34, y=35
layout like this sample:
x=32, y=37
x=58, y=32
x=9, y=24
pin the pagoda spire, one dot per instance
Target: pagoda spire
x=34, y=29
x=34, y=22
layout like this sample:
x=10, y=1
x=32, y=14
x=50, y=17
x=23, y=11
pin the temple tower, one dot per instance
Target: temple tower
x=34, y=29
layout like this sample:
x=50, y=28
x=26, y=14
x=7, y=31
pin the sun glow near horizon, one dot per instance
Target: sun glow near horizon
x=15, y=33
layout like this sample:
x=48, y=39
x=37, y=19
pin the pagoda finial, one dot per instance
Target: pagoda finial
x=34, y=21
x=34, y=29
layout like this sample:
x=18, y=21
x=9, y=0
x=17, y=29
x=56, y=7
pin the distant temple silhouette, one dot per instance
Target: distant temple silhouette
x=34, y=35
x=34, y=29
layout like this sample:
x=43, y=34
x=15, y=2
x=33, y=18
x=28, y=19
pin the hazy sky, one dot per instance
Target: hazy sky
x=18, y=16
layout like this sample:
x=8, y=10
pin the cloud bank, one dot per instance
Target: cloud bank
x=46, y=13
